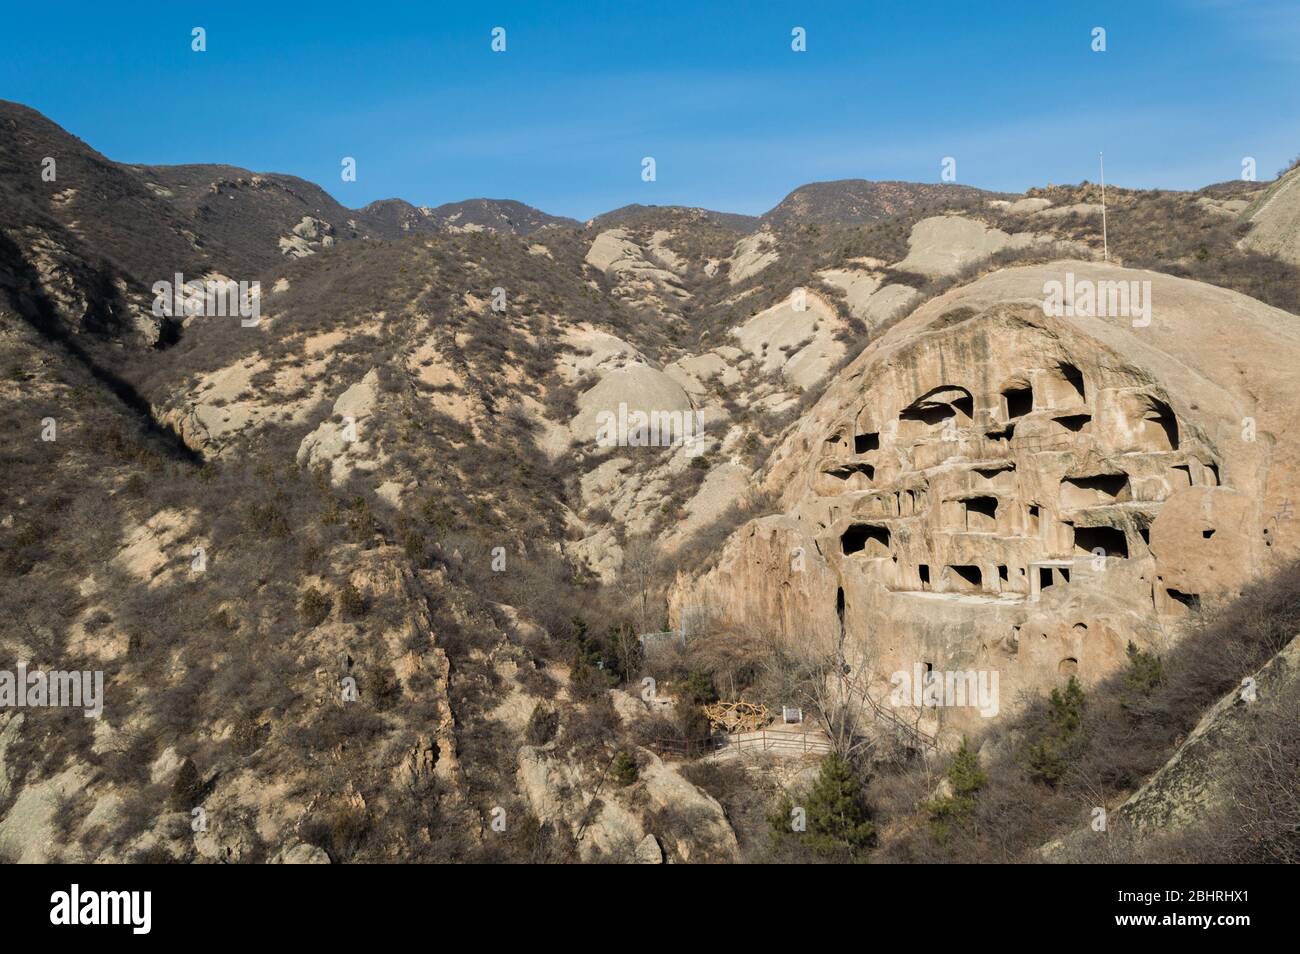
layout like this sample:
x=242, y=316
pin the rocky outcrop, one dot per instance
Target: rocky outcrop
x=1275, y=220
x=306, y=237
x=1196, y=781
x=344, y=442
x=751, y=255
x=797, y=338
x=634, y=389
x=615, y=254
x=945, y=244
x=869, y=295
x=619, y=824
x=991, y=488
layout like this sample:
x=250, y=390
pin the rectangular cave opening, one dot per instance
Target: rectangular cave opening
x=865, y=538
x=923, y=570
x=845, y=472
x=1019, y=401
x=1161, y=426
x=1191, y=600
x=981, y=514
x=968, y=577
x=1112, y=541
x=1094, y=489
x=1002, y=574
x=1073, y=377
x=1045, y=578
x=862, y=443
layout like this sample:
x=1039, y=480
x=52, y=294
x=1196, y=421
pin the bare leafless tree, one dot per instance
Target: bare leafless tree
x=643, y=582
x=842, y=690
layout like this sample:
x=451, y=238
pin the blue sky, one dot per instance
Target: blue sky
x=733, y=117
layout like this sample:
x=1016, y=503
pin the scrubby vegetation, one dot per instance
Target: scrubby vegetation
x=1093, y=748
x=830, y=822
x=1174, y=233
x=375, y=648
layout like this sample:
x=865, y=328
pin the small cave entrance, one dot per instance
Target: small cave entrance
x=1017, y=400
x=939, y=405
x=839, y=609
x=864, y=443
x=966, y=578
x=846, y=471
x=1049, y=575
x=1068, y=666
x=981, y=514
x=927, y=415
x=1093, y=490
x=1190, y=600
x=1159, y=425
x=1074, y=378
x=1163, y=417
x=1001, y=434
x=923, y=572
x=1112, y=541
x=865, y=538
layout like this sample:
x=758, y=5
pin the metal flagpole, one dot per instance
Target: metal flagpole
x=1105, y=245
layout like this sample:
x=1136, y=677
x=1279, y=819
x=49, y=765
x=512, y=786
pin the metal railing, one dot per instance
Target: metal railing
x=781, y=742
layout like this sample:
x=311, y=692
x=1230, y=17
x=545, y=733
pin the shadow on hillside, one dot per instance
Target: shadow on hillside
x=22, y=286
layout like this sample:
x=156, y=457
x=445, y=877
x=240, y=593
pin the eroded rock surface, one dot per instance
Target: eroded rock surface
x=989, y=488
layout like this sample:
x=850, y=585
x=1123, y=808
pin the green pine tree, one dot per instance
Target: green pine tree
x=838, y=820
x=700, y=688
x=1145, y=671
x=1050, y=755
x=623, y=770
x=187, y=789
x=966, y=779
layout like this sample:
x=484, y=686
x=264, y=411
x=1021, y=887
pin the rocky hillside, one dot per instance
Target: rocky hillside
x=859, y=202
x=1274, y=219
x=365, y=576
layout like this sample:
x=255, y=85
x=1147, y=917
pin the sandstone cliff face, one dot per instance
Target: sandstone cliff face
x=991, y=488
